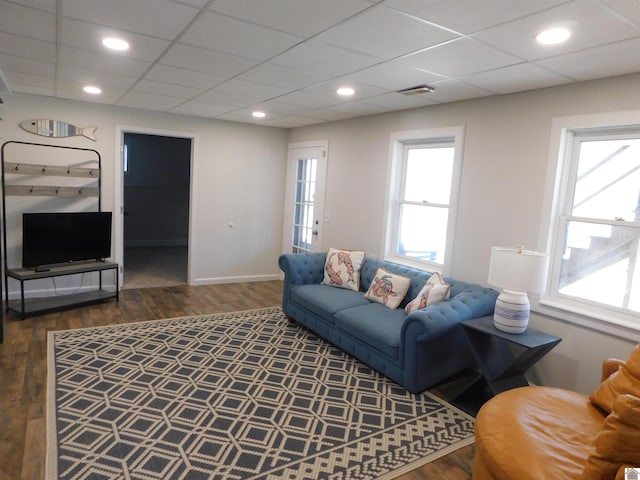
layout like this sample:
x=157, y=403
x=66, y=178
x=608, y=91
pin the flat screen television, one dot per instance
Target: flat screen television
x=50, y=239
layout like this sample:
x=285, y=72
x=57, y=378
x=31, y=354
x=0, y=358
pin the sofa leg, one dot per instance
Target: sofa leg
x=290, y=319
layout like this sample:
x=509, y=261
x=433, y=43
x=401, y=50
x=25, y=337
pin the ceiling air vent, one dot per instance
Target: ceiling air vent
x=420, y=89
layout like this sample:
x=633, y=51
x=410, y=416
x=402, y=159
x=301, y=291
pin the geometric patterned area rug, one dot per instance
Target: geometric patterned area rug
x=243, y=395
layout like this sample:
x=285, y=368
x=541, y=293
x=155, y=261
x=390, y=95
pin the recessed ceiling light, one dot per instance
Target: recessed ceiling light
x=93, y=90
x=259, y=114
x=345, y=91
x=553, y=36
x=115, y=43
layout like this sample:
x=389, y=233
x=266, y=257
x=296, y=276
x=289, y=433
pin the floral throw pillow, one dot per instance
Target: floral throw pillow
x=434, y=291
x=388, y=288
x=342, y=268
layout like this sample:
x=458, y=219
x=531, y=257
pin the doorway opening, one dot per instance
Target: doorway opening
x=156, y=203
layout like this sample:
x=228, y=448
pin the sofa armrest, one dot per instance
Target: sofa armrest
x=302, y=268
x=473, y=301
x=609, y=367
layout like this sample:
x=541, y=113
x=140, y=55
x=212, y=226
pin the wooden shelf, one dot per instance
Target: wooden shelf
x=37, y=306
x=34, y=306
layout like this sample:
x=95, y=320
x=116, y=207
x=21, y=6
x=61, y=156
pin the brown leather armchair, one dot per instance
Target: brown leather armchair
x=545, y=433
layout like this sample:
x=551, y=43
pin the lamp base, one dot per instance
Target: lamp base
x=512, y=312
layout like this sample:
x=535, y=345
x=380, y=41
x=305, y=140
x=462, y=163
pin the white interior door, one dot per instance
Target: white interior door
x=304, y=212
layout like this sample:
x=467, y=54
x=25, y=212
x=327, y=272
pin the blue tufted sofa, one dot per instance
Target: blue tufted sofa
x=417, y=350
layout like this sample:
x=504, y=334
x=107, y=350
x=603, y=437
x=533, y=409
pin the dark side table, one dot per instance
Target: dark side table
x=503, y=358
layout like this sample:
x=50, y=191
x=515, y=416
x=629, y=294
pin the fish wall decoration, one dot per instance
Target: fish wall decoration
x=57, y=129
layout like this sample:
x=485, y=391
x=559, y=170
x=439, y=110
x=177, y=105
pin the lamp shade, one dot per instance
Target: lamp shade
x=517, y=269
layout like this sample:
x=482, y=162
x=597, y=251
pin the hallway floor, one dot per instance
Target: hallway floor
x=146, y=267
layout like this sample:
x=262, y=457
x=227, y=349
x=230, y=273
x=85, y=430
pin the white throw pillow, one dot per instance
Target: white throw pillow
x=388, y=288
x=434, y=291
x=342, y=268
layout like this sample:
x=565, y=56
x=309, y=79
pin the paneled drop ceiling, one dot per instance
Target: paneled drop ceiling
x=225, y=59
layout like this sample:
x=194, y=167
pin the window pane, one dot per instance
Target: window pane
x=423, y=232
x=601, y=264
x=428, y=174
x=608, y=180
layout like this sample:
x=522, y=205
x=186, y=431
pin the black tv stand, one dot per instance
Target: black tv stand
x=34, y=306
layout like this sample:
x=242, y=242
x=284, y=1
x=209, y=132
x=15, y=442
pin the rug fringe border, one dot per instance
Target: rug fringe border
x=428, y=459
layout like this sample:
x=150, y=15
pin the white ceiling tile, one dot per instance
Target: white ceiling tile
x=271, y=74
x=310, y=100
x=69, y=88
x=385, y=33
x=393, y=76
x=45, y=5
x=136, y=96
x=322, y=58
x=25, y=65
x=27, y=22
x=101, y=61
x=454, y=91
x=327, y=90
x=300, y=17
x=158, y=18
x=630, y=9
x=166, y=89
x=330, y=115
x=86, y=75
x=203, y=60
x=292, y=121
x=398, y=101
x=360, y=108
x=225, y=34
x=526, y=75
x=27, y=47
x=89, y=36
x=470, y=16
x=181, y=76
x=609, y=60
x=29, y=83
x=205, y=109
x=590, y=24
x=459, y=57
x=279, y=107
x=225, y=98
x=251, y=89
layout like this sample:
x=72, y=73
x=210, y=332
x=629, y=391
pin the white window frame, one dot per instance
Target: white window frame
x=558, y=195
x=395, y=179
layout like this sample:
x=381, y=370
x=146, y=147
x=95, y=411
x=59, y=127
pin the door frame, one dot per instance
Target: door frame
x=290, y=190
x=119, y=192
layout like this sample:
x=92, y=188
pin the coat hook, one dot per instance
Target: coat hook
x=17, y=167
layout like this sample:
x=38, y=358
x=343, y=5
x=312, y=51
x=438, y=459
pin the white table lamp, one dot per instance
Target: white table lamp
x=517, y=271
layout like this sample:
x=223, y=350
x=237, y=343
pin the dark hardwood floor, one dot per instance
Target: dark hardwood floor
x=23, y=366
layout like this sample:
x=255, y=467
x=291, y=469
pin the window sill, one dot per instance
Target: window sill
x=418, y=264
x=584, y=318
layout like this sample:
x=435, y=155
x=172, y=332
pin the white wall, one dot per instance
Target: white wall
x=239, y=179
x=504, y=176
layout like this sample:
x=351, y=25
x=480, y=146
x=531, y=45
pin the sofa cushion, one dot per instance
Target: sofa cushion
x=375, y=325
x=618, y=441
x=625, y=380
x=434, y=291
x=388, y=288
x=325, y=300
x=342, y=268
